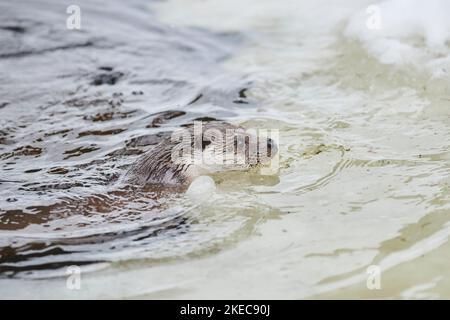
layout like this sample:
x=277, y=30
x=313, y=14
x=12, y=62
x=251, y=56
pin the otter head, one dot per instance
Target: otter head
x=199, y=149
x=229, y=147
x=220, y=146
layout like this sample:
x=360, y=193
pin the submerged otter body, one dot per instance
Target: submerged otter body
x=188, y=153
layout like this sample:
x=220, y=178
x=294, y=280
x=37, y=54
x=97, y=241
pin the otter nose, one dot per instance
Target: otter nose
x=271, y=147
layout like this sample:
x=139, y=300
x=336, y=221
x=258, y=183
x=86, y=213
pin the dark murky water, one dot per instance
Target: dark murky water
x=77, y=107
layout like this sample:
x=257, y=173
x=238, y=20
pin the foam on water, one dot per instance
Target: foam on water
x=405, y=32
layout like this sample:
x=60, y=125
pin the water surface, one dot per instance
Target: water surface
x=364, y=152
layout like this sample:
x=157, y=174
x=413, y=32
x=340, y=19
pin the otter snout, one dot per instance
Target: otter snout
x=266, y=152
x=272, y=148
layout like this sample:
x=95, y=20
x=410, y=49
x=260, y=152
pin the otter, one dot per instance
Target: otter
x=200, y=149
x=174, y=162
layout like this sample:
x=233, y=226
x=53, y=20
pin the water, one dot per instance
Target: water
x=364, y=139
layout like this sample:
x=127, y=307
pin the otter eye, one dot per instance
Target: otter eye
x=205, y=144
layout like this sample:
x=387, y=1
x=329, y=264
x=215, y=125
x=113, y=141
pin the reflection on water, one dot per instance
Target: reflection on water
x=364, y=162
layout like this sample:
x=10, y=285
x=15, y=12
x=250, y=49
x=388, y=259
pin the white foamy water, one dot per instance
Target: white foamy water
x=411, y=33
